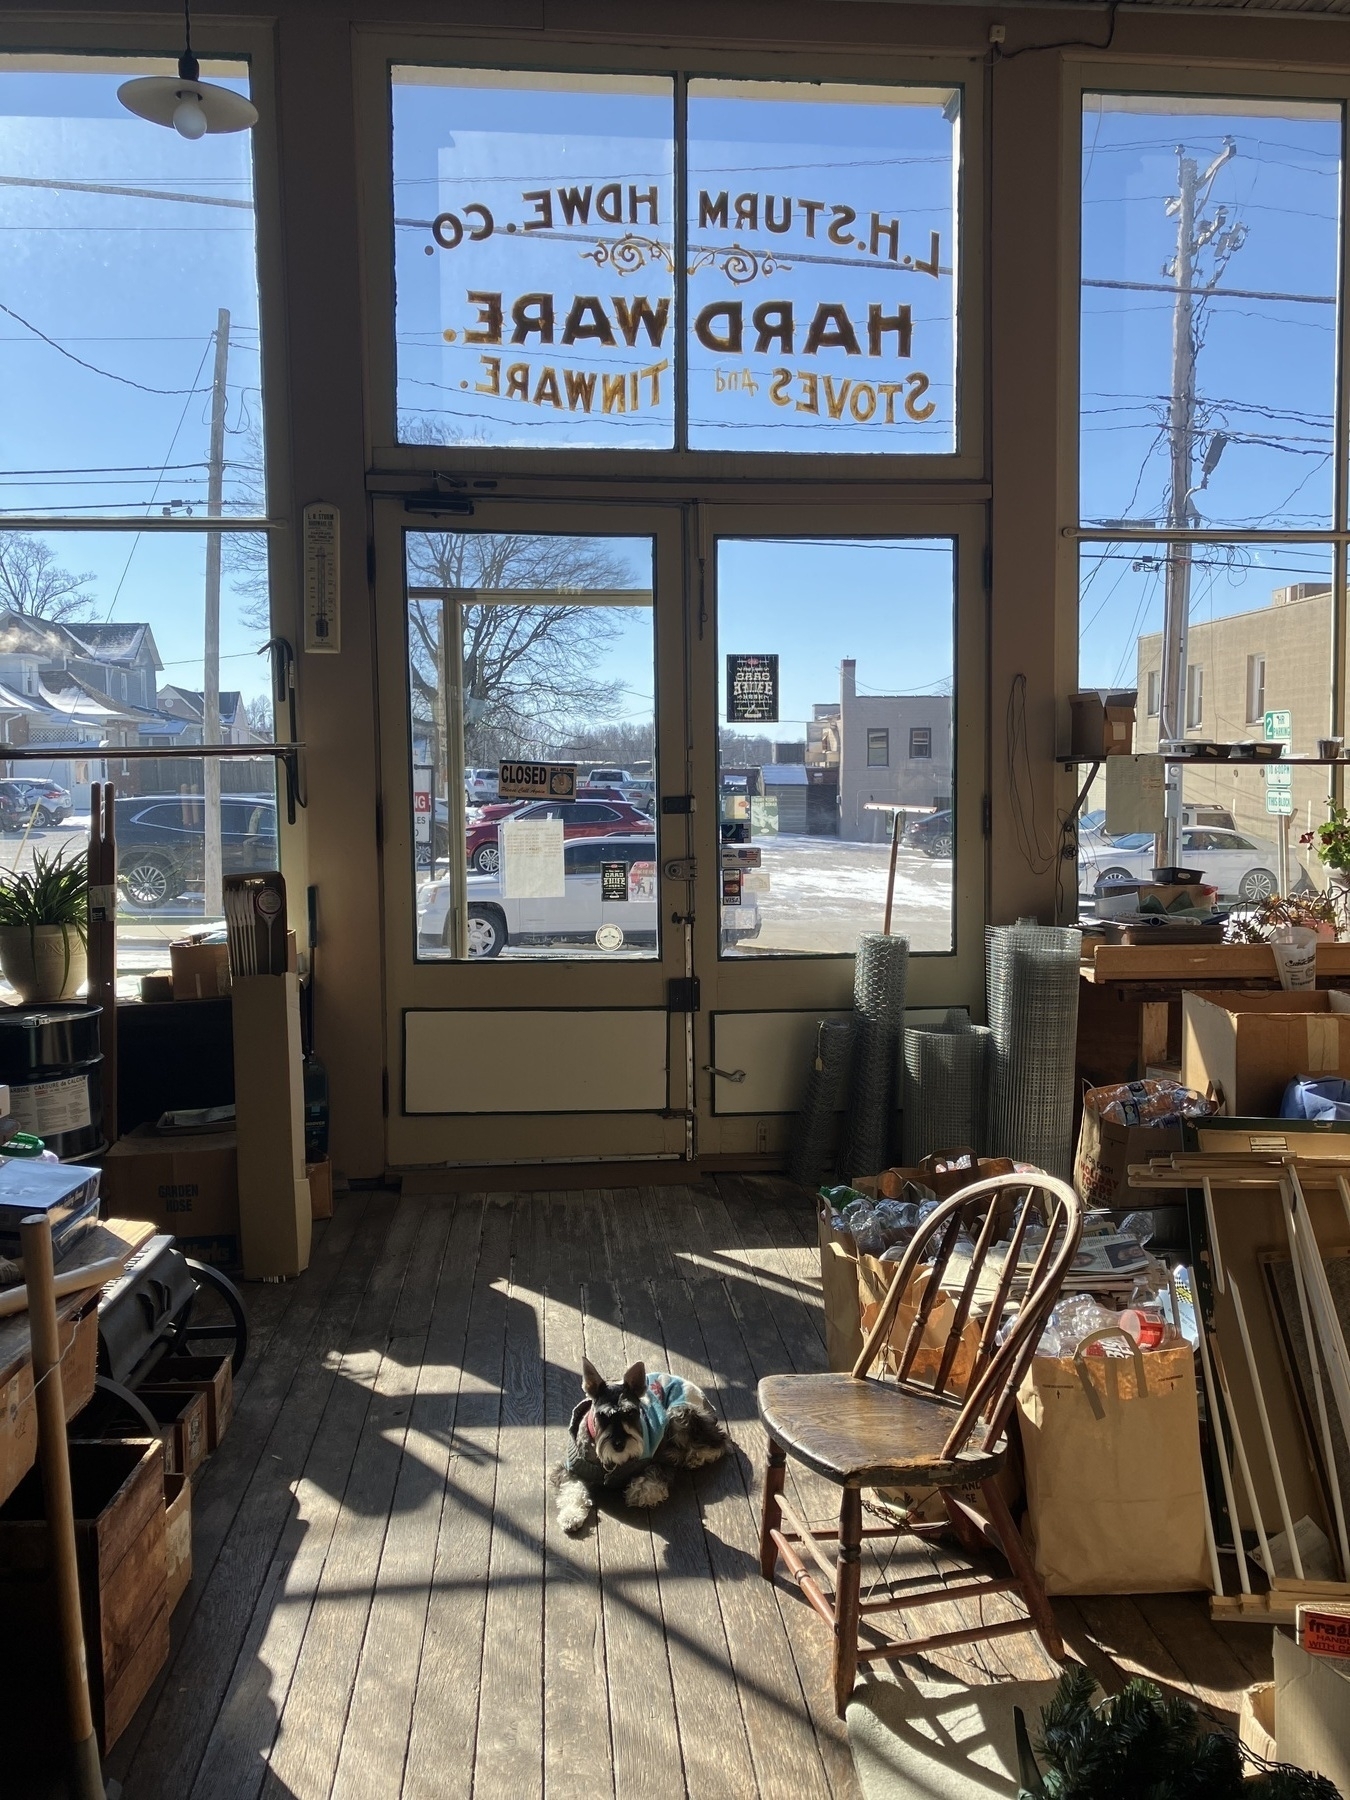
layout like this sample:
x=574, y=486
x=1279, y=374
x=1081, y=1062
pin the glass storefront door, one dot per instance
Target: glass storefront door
x=643, y=772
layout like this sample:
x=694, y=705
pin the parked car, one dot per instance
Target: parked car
x=480, y=785
x=581, y=818
x=42, y=802
x=496, y=920
x=607, y=778
x=1238, y=866
x=931, y=833
x=161, y=838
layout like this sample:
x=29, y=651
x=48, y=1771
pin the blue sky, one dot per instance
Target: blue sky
x=130, y=285
x=1265, y=369
x=479, y=143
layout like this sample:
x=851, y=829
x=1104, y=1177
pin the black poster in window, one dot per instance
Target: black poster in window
x=613, y=881
x=752, y=689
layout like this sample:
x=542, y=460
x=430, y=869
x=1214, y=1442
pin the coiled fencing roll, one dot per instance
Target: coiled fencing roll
x=814, y=1148
x=1032, y=983
x=879, y=975
x=946, y=1083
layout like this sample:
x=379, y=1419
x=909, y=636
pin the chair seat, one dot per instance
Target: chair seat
x=872, y=1433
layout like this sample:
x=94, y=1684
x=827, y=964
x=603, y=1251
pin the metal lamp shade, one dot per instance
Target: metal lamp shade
x=156, y=97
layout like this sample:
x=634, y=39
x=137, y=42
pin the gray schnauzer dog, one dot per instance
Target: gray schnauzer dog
x=630, y=1436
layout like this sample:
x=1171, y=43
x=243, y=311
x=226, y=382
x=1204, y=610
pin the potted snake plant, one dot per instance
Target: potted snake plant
x=44, y=932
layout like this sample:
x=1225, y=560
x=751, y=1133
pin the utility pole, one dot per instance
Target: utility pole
x=215, y=496
x=1193, y=235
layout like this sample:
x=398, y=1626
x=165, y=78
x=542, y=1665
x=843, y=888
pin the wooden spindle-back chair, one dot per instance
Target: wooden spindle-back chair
x=920, y=1430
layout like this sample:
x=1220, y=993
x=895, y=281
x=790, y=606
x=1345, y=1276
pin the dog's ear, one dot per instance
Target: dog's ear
x=592, y=1381
x=635, y=1380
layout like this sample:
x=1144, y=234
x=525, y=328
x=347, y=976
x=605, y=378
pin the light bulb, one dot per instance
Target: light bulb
x=189, y=120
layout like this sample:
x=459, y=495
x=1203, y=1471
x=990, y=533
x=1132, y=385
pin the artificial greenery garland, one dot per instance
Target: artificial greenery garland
x=1138, y=1745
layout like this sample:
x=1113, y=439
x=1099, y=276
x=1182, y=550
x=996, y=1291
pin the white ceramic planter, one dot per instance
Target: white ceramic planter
x=43, y=962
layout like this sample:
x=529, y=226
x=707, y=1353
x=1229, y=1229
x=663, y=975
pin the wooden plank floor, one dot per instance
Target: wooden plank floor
x=382, y=1604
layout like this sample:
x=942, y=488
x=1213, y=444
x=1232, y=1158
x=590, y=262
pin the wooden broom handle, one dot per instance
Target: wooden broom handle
x=35, y=1236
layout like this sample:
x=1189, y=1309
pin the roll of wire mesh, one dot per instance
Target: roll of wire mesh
x=814, y=1147
x=1032, y=978
x=945, y=1091
x=879, y=974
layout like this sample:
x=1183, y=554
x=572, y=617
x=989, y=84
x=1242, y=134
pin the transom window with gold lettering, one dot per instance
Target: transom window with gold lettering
x=550, y=296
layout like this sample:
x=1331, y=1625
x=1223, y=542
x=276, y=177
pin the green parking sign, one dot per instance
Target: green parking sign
x=1280, y=801
x=1279, y=724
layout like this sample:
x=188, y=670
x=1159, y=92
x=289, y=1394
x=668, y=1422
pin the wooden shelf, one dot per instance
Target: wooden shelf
x=1216, y=762
x=1202, y=962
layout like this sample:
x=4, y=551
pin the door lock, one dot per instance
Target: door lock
x=680, y=868
x=736, y=1075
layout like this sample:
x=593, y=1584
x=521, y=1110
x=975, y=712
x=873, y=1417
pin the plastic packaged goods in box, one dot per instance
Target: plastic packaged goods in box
x=69, y=1196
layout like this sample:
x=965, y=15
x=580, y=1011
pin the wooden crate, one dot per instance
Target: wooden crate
x=211, y=1376
x=182, y=1416
x=78, y=1328
x=177, y=1537
x=118, y=1489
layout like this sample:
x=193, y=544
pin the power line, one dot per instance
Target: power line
x=70, y=355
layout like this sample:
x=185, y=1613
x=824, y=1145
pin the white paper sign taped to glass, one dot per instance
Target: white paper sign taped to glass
x=752, y=689
x=614, y=881
x=323, y=594
x=532, y=859
x=536, y=781
x=1134, y=794
x=642, y=882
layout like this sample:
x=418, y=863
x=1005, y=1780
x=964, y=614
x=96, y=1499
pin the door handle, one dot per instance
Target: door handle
x=726, y=1074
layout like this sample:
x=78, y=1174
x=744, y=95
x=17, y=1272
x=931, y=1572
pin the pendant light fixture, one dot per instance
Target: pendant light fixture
x=191, y=106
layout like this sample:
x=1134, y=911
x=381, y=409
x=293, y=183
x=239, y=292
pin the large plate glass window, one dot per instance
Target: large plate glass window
x=822, y=267
x=836, y=712
x=534, y=252
x=540, y=275
x=130, y=363
x=1211, y=244
x=535, y=651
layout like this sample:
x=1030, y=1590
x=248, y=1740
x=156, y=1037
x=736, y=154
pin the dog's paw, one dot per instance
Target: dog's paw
x=701, y=1454
x=574, y=1506
x=647, y=1489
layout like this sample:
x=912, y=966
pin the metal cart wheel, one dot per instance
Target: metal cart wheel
x=132, y=1403
x=214, y=1315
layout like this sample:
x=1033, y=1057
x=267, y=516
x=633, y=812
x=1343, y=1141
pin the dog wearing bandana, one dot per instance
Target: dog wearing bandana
x=629, y=1436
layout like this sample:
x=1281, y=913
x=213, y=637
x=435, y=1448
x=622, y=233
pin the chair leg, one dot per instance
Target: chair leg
x=1024, y=1571
x=847, y=1583
x=769, y=1517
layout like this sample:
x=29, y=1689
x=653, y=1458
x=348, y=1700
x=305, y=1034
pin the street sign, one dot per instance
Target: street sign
x=1279, y=775
x=1279, y=724
x=1280, y=801
x=536, y=781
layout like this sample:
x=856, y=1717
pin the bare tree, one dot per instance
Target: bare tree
x=529, y=670
x=258, y=712
x=33, y=584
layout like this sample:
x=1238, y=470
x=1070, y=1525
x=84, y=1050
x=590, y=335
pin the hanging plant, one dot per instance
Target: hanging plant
x=1331, y=839
x=1140, y=1745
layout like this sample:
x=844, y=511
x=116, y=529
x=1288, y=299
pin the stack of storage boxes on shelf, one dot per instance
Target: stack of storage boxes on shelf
x=150, y=1340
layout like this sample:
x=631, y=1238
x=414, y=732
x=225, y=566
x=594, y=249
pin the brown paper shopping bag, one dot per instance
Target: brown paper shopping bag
x=1115, y=1488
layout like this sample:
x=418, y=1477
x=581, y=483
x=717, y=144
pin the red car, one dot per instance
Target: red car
x=582, y=817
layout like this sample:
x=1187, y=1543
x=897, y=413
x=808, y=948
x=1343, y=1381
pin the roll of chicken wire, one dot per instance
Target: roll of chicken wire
x=945, y=1092
x=814, y=1147
x=879, y=974
x=1032, y=983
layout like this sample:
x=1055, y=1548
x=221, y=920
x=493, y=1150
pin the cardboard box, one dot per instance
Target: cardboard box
x=1101, y=722
x=1249, y=1047
x=188, y=1186
x=1312, y=1711
x=319, y=1175
x=1256, y=1721
x=201, y=971
x=269, y=1105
